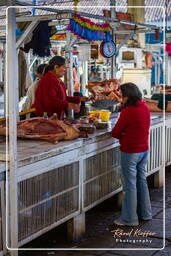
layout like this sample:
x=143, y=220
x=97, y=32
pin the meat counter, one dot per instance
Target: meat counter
x=59, y=183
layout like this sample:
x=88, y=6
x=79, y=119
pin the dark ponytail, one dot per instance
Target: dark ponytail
x=47, y=69
x=56, y=60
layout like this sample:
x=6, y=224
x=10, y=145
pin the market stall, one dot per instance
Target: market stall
x=51, y=184
x=60, y=183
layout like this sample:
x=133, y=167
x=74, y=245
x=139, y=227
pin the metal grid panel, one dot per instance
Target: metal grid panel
x=102, y=175
x=154, y=14
x=47, y=198
x=3, y=12
x=96, y=3
x=95, y=6
x=168, y=143
x=155, y=142
x=151, y=14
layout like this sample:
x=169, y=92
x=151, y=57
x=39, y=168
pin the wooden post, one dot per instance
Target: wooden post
x=12, y=85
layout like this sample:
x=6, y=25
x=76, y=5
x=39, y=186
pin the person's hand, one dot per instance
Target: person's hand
x=84, y=98
x=75, y=107
x=119, y=107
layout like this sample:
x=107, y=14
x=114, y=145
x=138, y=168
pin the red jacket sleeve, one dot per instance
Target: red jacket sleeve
x=73, y=99
x=52, y=100
x=120, y=125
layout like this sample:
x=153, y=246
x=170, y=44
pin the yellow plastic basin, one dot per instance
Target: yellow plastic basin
x=104, y=114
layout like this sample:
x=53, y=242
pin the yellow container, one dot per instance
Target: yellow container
x=104, y=114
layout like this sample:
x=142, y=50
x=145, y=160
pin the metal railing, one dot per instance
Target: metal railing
x=168, y=143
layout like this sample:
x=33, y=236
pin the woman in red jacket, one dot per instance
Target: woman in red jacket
x=132, y=130
x=51, y=94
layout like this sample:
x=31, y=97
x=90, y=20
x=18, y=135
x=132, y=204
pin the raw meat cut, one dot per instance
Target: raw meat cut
x=108, y=89
x=71, y=130
x=38, y=128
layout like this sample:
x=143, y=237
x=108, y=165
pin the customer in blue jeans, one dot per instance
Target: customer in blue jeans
x=132, y=130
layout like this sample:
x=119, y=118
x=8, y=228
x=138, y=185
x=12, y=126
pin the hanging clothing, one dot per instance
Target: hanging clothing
x=149, y=60
x=23, y=73
x=76, y=81
x=30, y=95
x=40, y=42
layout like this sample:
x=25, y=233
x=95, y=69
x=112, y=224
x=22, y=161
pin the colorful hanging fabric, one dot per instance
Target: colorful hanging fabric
x=58, y=37
x=86, y=29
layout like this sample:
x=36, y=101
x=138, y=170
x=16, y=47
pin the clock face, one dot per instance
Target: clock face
x=108, y=49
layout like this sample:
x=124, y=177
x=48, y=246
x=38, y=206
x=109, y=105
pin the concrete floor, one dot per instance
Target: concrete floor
x=99, y=224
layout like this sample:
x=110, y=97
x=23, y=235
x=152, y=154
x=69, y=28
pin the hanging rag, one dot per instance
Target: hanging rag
x=40, y=42
x=23, y=74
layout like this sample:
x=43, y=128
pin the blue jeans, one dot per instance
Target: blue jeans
x=136, y=202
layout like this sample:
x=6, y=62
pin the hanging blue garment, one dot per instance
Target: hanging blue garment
x=40, y=42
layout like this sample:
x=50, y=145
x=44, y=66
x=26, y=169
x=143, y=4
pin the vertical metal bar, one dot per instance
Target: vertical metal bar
x=4, y=78
x=12, y=85
x=33, y=10
x=113, y=60
x=82, y=169
x=167, y=139
x=155, y=158
x=157, y=148
x=168, y=145
x=85, y=77
x=69, y=62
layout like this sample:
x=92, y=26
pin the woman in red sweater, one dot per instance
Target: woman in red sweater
x=51, y=94
x=132, y=130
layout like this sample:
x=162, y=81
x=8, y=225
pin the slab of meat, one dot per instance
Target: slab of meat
x=38, y=128
x=71, y=130
x=107, y=90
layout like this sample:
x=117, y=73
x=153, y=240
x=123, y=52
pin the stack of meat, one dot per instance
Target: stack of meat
x=39, y=128
x=108, y=89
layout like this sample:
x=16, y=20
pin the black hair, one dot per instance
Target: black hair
x=56, y=60
x=133, y=93
x=41, y=68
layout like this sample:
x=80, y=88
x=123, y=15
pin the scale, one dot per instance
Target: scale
x=108, y=47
